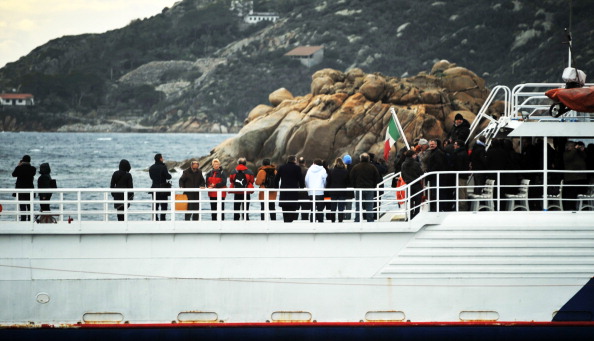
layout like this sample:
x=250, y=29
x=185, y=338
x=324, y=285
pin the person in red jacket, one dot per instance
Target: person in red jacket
x=216, y=178
x=241, y=178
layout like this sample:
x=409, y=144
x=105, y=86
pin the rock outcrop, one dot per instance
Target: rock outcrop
x=349, y=112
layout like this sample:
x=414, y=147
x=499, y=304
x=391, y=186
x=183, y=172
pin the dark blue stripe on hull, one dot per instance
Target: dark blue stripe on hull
x=580, y=307
x=287, y=333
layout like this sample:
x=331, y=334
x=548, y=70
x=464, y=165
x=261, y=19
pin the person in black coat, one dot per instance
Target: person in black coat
x=338, y=178
x=159, y=175
x=410, y=171
x=25, y=174
x=437, y=162
x=460, y=130
x=461, y=163
x=289, y=176
x=364, y=175
x=305, y=205
x=44, y=181
x=121, y=179
x=192, y=178
x=498, y=158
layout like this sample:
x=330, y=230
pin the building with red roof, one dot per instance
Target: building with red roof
x=14, y=99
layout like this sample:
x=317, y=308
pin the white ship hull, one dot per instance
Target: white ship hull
x=441, y=267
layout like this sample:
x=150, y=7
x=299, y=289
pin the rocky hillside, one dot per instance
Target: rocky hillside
x=349, y=112
x=198, y=67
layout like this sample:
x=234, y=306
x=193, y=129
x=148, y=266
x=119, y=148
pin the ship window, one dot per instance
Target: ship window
x=480, y=315
x=291, y=316
x=103, y=317
x=385, y=316
x=197, y=316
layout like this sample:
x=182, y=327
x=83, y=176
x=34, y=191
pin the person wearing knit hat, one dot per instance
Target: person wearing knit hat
x=347, y=159
x=460, y=130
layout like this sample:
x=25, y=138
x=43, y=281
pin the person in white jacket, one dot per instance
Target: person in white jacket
x=315, y=181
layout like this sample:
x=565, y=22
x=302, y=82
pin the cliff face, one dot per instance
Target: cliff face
x=349, y=113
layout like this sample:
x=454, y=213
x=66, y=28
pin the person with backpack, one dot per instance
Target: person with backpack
x=265, y=179
x=241, y=178
x=122, y=179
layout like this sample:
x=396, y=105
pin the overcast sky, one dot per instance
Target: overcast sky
x=27, y=24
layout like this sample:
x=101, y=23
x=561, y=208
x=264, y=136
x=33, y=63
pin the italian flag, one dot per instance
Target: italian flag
x=392, y=135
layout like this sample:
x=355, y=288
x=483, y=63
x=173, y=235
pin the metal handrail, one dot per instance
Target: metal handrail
x=96, y=204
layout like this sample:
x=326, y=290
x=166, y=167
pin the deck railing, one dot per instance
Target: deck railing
x=442, y=192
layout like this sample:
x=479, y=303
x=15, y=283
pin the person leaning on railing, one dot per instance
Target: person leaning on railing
x=411, y=171
x=121, y=179
x=289, y=176
x=25, y=174
x=364, y=175
x=241, y=178
x=159, y=175
x=216, y=178
x=265, y=179
x=192, y=178
x=338, y=178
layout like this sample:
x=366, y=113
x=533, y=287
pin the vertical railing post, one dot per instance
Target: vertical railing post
x=105, y=205
x=266, y=204
x=172, y=201
x=125, y=205
x=78, y=205
x=61, y=206
x=219, y=212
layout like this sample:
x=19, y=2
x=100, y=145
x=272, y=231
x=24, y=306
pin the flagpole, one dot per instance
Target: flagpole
x=399, y=127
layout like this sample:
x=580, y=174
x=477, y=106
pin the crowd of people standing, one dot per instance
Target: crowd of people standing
x=316, y=193
x=453, y=155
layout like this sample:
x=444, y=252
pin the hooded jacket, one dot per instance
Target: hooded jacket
x=316, y=178
x=249, y=175
x=261, y=178
x=122, y=179
x=44, y=180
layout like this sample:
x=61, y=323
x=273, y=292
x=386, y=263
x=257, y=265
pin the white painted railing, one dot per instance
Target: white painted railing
x=96, y=204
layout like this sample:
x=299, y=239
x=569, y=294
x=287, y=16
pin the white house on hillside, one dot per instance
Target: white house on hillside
x=245, y=9
x=256, y=17
x=307, y=55
x=13, y=99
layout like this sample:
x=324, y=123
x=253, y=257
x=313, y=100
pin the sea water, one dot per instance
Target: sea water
x=88, y=160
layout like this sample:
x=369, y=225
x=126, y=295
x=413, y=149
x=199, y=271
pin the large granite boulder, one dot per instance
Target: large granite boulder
x=277, y=96
x=349, y=112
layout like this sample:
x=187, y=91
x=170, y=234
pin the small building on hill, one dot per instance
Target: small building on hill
x=14, y=99
x=256, y=17
x=307, y=55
